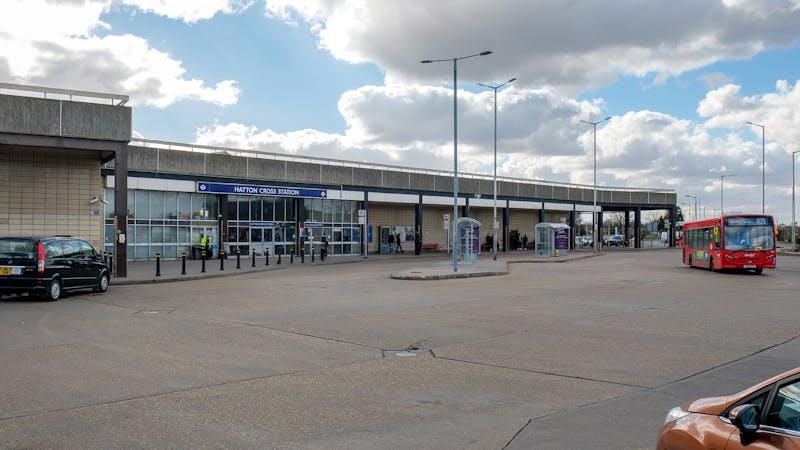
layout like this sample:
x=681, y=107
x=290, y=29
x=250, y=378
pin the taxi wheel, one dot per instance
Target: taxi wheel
x=53, y=292
x=102, y=283
x=758, y=271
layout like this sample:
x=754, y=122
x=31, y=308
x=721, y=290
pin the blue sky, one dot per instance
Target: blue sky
x=342, y=79
x=287, y=83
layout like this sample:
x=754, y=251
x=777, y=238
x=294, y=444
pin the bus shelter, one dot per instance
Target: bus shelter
x=468, y=231
x=552, y=239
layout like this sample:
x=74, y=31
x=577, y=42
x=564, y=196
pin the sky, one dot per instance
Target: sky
x=342, y=79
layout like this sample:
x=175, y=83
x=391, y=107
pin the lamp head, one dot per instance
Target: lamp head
x=487, y=52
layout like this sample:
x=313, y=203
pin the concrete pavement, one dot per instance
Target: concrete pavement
x=306, y=358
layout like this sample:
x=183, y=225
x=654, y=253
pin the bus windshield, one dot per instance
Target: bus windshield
x=749, y=233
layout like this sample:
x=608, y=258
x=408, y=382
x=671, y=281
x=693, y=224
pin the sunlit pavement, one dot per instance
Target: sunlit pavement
x=590, y=353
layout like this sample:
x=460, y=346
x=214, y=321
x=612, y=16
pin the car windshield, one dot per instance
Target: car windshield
x=16, y=249
x=749, y=237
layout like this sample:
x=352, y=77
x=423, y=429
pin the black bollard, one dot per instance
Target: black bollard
x=111, y=263
x=203, y=261
x=158, y=264
x=238, y=260
x=312, y=254
x=291, y=257
x=222, y=260
x=279, y=257
x=183, y=263
x=253, y=257
x=302, y=256
x=266, y=252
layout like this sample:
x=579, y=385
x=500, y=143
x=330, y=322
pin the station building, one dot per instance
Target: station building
x=68, y=165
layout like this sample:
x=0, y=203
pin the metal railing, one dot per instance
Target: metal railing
x=198, y=148
x=65, y=94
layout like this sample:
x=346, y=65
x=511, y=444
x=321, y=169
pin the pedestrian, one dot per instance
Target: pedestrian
x=399, y=245
x=391, y=242
x=324, y=250
x=524, y=241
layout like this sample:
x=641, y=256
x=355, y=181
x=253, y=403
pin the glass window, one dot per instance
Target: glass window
x=156, y=249
x=212, y=207
x=255, y=235
x=183, y=235
x=109, y=208
x=196, y=231
x=232, y=202
x=267, y=235
x=232, y=233
x=170, y=251
x=156, y=205
x=184, y=206
x=315, y=214
x=356, y=235
x=156, y=234
x=346, y=234
x=171, y=234
x=785, y=409
x=244, y=208
x=290, y=233
x=757, y=237
x=53, y=250
x=269, y=208
x=280, y=211
x=142, y=204
x=255, y=208
x=87, y=251
x=109, y=234
x=278, y=235
x=244, y=234
x=71, y=249
x=141, y=252
x=142, y=234
x=171, y=205
x=290, y=209
x=131, y=209
x=327, y=211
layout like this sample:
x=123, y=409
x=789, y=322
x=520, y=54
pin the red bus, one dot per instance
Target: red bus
x=741, y=242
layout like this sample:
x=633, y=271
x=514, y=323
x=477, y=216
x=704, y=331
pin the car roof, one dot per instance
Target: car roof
x=41, y=238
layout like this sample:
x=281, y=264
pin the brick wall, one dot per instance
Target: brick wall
x=46, y=192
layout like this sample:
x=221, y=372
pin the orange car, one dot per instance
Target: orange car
x=765, y=416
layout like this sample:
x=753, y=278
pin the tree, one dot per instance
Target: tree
x=661, y=224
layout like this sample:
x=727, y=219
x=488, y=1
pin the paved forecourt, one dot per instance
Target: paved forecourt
x=319, y=357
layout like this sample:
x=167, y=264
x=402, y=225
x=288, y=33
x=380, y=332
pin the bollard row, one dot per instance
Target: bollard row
x=108, y=258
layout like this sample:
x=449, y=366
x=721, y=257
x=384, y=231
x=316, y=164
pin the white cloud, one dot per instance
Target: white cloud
x=715, y=79
x=62, y=48
x=190, y=11
x=540, y=136
x=574, y=45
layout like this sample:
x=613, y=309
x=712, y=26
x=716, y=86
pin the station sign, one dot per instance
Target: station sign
x=255, y=189
x=362, y=216
x=308, y=224
x=258, y=224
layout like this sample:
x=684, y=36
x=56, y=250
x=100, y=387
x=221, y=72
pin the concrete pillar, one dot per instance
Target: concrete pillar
x=222, y=225
x=418, y=228
x=506, y=223
x=673, y=214
x=627, y=224
x=121, y=210
x=637, y=227
x=365, y=227
x=541, y=215
x=572, y=229
x=600, y=228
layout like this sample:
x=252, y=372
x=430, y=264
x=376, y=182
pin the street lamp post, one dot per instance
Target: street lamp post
x=794, y=220
x=494, y=205
x=722, y=192
x=594, y=202
x=763, y=166
x=455, y=142
x=695, y=205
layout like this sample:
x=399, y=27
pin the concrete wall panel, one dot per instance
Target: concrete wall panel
x=305, y=172
x=395, y=180
x=226, y=165
x=444, y=184
x=142, y=158
x=544, y=191
x=366, y=177
x=95, y=121
x=506, y=188
x=527, y=190
x=180, y=162
x=560, y=193
x=267, y=169
x=639, y=197
x=469, y=185
x=337, y=175
x=27, y=115
x=422, y=182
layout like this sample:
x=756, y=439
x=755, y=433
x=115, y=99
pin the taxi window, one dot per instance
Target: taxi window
x=785, y=409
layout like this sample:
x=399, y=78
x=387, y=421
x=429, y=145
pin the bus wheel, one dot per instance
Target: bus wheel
x=758, y=271
x=711, y=264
